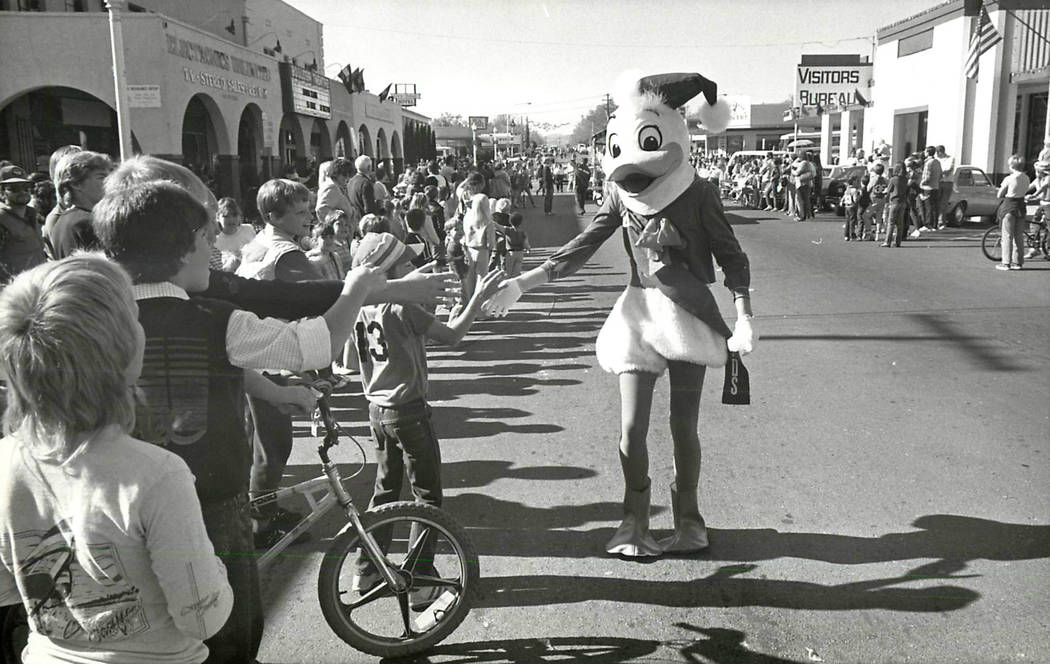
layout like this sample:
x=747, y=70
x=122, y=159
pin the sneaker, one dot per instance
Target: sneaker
x=271, y=534
x=1031, y=253
x=915, y=233
x=341, y=382
x=365, y=581
x=284, y=517
x=421, y=598
x=1002, y=267
x=885, y=244
x=1015, y=266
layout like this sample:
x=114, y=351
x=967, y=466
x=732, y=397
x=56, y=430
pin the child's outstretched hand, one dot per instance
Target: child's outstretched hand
x=509, y=292
x=370, y=278
x=296, y=400
x=490, y=284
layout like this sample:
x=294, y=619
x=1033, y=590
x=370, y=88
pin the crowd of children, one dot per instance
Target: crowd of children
x=212, y=295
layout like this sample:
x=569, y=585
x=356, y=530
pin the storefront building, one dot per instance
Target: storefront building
x=221, y=95
x=762, y=127
x=923, y=97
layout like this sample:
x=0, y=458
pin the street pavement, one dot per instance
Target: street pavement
x=883, y=498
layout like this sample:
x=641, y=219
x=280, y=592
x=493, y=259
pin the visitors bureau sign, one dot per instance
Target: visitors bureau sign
x=833, y=85
x=212, y=57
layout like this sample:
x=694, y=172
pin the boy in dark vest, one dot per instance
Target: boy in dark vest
x=193, y=380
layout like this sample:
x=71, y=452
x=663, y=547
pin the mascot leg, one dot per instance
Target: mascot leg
x=690, y=533
x=632, y=538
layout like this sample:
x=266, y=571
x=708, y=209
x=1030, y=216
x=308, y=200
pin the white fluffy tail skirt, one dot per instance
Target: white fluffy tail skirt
x=646, y=329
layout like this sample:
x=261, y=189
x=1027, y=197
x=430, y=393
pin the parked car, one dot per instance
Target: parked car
x=834, y=184
x=973, y=195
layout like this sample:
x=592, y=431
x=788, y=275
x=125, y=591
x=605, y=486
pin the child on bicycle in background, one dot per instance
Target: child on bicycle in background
x=391, y=343
x=193, y=383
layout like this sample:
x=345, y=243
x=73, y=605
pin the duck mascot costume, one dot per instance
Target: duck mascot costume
x=673, y=228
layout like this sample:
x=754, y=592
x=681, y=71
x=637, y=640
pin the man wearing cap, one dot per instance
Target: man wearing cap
x=21, y=243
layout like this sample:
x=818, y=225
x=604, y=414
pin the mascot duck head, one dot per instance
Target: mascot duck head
x=647, y=140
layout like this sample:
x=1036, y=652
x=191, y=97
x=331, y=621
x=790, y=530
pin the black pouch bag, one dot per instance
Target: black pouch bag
x=736, y=389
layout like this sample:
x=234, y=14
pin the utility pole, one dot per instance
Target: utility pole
x=608, y=104
x=120, y=78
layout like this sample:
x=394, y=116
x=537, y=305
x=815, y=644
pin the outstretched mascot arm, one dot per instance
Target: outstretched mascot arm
x=564, y=262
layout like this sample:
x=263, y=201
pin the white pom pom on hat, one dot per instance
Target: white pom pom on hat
x=714, y=118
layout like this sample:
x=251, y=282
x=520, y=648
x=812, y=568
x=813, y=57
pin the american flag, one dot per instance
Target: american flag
x=984, y=37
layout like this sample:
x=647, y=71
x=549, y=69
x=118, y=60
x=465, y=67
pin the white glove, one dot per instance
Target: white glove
x=744, y=337
x=509, y=293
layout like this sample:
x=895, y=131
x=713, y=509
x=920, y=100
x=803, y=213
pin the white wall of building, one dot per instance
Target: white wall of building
x=930, y=80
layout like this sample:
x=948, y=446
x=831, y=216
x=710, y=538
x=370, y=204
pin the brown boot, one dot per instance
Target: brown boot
x=690, y=533
x=632, y=538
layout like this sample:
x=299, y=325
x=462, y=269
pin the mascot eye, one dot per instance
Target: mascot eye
x=614, y=145
x=650, y=138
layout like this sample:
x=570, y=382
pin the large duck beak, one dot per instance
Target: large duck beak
x=645, y=169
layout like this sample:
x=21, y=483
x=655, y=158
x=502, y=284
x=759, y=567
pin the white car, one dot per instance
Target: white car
x=973, y=195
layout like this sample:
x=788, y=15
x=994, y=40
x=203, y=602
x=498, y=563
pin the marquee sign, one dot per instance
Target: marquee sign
x=305, y=92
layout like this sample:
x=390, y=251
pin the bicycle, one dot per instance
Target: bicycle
x=426, y=605
x=1036, y=237
x=412, y=608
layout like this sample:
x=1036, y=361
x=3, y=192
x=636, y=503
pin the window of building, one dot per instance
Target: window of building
x=915, y=43
x=76, y=6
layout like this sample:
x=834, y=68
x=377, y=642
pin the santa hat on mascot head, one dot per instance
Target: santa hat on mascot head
x=675, y=90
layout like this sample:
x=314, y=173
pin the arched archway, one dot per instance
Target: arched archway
x=37, y=121
x=203, y=137
x=382, y=155
x=292, y=144
x=397, y=154
x=249, y=156
x=344, y=143
x=320, y=142
x=365, y=142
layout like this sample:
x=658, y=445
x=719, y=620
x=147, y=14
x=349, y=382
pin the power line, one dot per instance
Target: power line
x=473, y=37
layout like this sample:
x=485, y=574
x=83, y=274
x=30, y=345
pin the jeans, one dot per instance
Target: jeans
x=803, y=204
x=931, y=209
x=229, y=527
x=896, y=222
x=548, y=198
x=1012, y=227
x=405, y=441
x=272, y=444
x=512, y=263
x=854, y=225
x=875, y=214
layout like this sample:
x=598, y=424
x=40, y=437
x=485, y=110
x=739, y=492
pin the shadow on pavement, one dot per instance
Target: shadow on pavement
x=724, y=646
x=947, y=537
x=593, y=650
x=724, y=589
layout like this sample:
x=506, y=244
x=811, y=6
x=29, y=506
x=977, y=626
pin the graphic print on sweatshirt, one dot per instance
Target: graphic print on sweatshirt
x=65, y=602
x=174, y=388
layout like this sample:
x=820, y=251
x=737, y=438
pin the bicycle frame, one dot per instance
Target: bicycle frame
x=322, y=494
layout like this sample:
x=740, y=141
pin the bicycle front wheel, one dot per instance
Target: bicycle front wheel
x=437, y=571
x=992, y=244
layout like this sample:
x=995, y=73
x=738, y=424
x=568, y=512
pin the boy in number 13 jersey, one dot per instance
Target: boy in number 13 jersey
x=391, y=342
